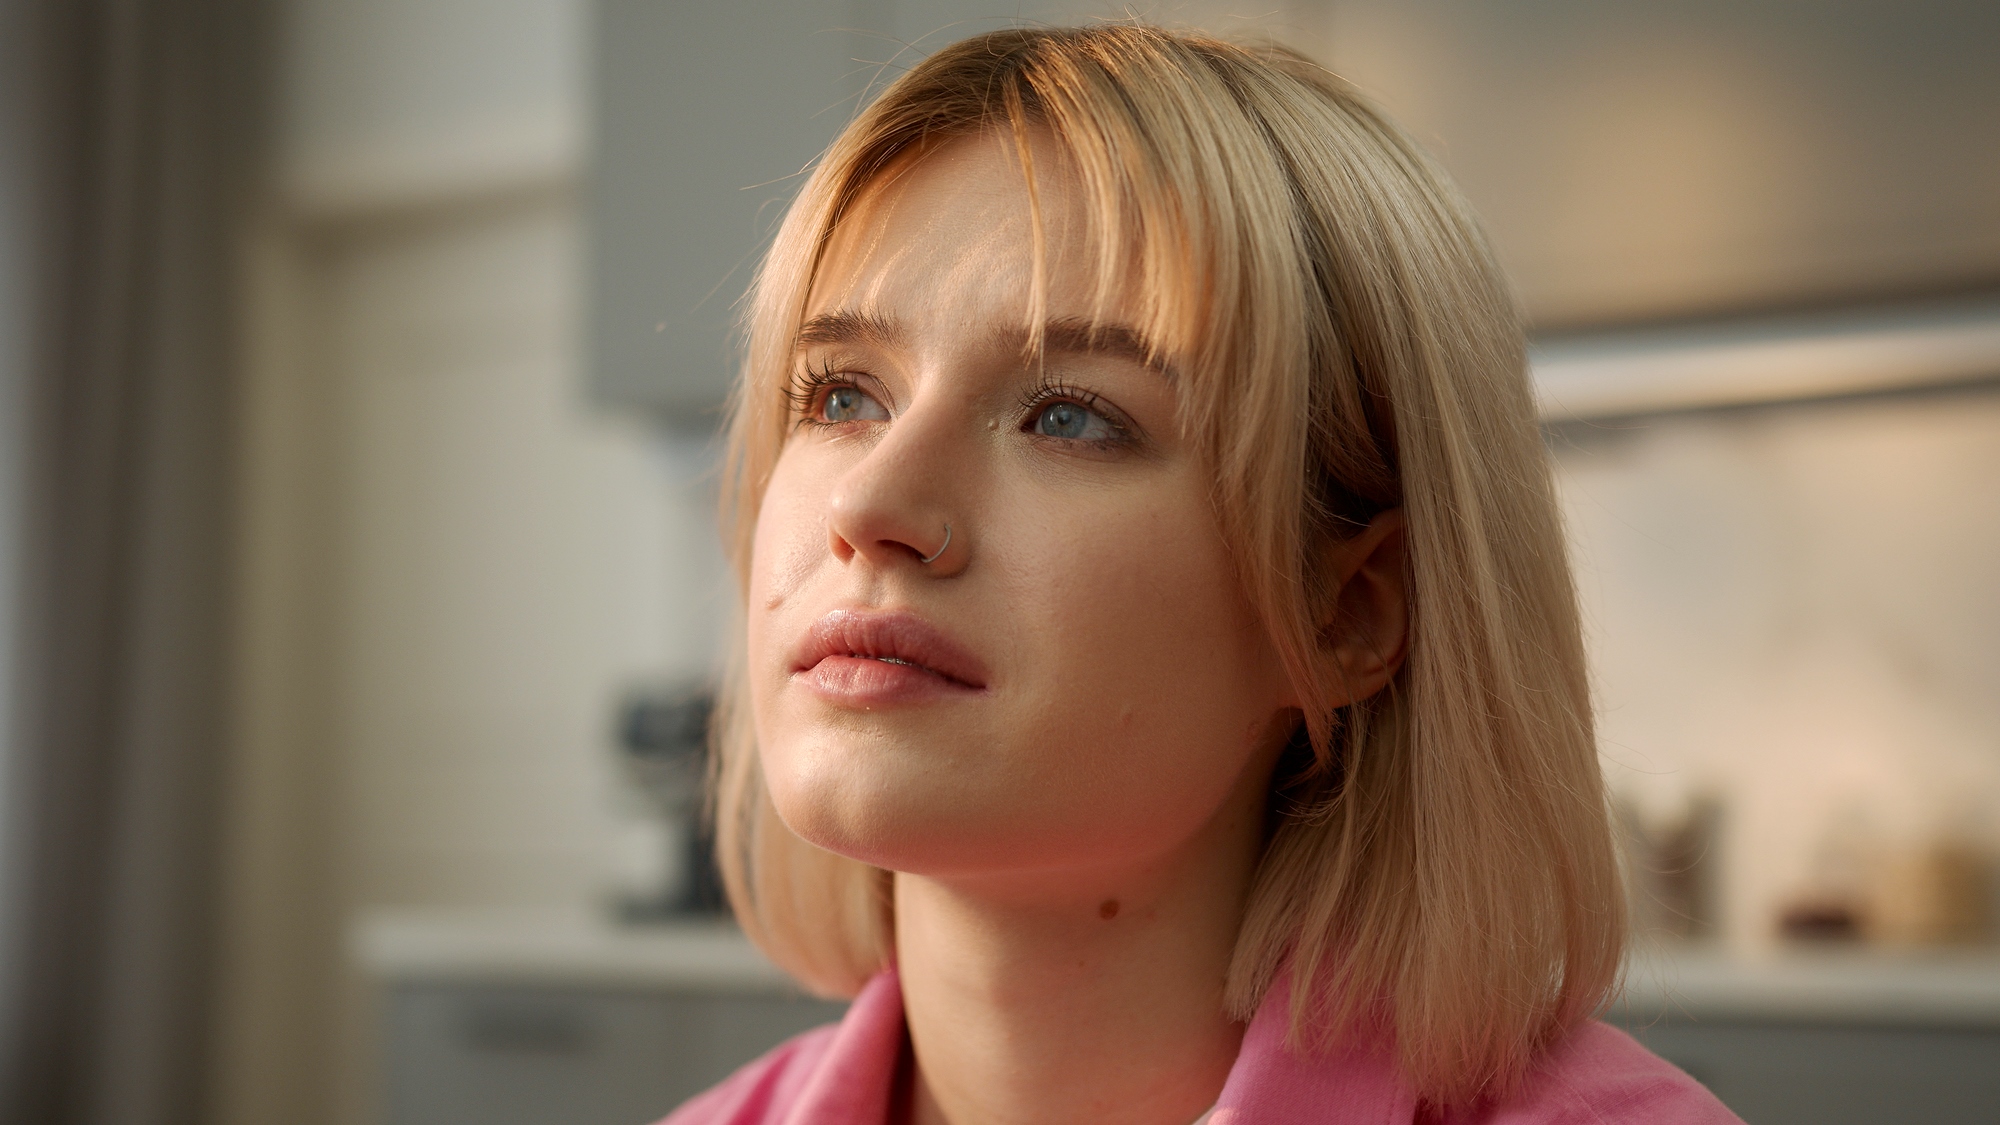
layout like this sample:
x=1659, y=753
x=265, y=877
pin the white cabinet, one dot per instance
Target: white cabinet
x=546, y=1018
x=496, y=1019
x=1838, y=1074
x=1828, y=1037
x=474, y=1053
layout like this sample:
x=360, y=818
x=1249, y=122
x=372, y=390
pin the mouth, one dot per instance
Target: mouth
x=871, y=658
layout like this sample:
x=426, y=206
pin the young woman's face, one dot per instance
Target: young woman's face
x=1073, y=679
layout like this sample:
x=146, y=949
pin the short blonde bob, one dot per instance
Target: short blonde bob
x=1439, y=866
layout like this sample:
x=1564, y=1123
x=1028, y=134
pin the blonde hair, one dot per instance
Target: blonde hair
x=1439, y=863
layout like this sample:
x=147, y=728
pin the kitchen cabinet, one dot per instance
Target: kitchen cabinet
x=498, y=1053
x=523, y=1020
x=1833, y=1038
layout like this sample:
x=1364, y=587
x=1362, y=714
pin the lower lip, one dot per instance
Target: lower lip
x=857, y=681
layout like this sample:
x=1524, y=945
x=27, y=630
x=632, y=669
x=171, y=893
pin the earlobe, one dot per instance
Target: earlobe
x=1364, y=632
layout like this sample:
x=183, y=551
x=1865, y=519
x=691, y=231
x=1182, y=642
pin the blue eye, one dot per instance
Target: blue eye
x=1068, y=420
x=850, y=404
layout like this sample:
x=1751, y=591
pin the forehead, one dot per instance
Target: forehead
x=952, y=232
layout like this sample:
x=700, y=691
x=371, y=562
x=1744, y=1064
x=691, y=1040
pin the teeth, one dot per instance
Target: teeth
x=893, y=660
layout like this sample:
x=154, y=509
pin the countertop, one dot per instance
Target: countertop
x=562, y=948
x=1930, y=988
x=1959, y=988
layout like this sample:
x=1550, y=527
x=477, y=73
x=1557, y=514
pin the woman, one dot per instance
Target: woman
x=1162, y=696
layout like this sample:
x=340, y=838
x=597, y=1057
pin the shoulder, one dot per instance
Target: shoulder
x=761, y=1091
x=1598, y=1075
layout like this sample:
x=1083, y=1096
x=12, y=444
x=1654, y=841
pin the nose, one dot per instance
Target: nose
x=894, y=508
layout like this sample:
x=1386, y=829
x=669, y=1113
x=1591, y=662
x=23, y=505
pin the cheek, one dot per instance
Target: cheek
x=788, y=548
x=1150, y=587
x=789, y=542
x=1151, y=684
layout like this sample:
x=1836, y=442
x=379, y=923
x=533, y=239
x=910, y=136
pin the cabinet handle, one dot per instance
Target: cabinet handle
x=538, y=1028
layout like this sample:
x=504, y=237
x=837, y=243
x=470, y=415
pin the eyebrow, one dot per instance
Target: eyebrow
x=1066, y=335
x=848, y=328
x=1076, y=336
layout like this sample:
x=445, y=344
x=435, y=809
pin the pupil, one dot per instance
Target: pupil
x=840, y=405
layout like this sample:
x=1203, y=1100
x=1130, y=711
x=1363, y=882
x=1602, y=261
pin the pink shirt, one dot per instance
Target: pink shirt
x=1598, y=1075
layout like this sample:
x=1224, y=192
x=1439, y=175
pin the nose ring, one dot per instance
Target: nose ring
x=934, y=554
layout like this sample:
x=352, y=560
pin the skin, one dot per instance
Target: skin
x=1073, y=838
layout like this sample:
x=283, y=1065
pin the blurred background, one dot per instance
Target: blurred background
x=360, y=363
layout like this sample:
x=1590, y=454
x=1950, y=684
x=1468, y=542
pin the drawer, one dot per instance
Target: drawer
x=1791, y=1074
x=477, y=1054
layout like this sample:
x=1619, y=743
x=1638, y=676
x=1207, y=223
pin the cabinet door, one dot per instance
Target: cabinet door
x=465, y=1054
x=1800, y=1075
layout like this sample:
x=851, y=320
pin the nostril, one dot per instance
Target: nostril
x=897, y=548
x=838, y=544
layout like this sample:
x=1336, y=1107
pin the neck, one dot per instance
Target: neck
x=1078, y=995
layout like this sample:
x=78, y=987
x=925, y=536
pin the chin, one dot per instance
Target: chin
x=918, y=830
x=883, y=834
x=838, y=793
x=887, y=818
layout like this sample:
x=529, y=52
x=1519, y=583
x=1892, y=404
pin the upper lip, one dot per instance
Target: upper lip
x=887, y=635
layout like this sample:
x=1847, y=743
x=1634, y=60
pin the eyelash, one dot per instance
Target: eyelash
x=806, y=388
x=810, y=383
x=1050, y=391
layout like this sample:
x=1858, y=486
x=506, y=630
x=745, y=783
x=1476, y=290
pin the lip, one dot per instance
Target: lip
x=873, y=658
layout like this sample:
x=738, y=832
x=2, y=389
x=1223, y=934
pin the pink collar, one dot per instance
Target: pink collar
x=842, y=1075
x=1269, y=1085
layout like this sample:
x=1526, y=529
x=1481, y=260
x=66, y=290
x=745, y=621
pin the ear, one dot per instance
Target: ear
x=1364, y=633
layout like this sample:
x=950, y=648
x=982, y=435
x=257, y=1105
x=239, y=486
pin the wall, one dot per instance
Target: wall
x=17, y=301
x=453, y=563
x=1792, y=609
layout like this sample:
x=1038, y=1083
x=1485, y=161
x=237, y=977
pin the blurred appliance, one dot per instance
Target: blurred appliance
x=663, y=739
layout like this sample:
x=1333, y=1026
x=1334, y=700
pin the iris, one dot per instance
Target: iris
x=850, y=404
x=1068, y=420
